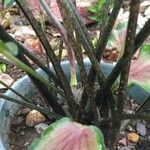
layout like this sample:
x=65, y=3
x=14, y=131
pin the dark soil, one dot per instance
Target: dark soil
x=16, y=72
x=20, y=140
x=20, y=135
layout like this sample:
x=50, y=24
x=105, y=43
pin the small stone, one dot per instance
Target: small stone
x=6, y=79
x=140, y=127
x=34, y=118
x=27, y=143
x=129, y=111
x=22, y=132
x=24, y=30
x=41, y=127
x=123, y=141
x=133, y=137
x=33, y=45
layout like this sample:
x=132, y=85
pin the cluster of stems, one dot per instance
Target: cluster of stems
x=75, y=37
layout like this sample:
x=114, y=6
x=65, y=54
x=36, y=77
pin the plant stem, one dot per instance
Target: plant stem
x=74, y=41
x=140, y=38
x=101, y=44
x=49, y=98
x=73, y=107
x=75, y=44
x=80, y=30
x=127, y=55
x=49, y=114
x=142, y=116
x=143, y=108
x=5, y=51
x=8, y=87
x=6, y=38
x=103, y=38
x=62, y=31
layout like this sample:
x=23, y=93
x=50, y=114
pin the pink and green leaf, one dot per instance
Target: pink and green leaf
x=140, y=69
x=65, y=134
x=117, y=36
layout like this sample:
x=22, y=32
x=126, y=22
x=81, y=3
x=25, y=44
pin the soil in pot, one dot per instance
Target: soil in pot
x=22, y=130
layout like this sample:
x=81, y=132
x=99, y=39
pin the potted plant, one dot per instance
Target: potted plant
x=98, y=109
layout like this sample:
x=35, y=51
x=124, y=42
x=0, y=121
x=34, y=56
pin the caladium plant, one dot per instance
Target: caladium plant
x=118, y=35
x=140, y=69
x=65, y=134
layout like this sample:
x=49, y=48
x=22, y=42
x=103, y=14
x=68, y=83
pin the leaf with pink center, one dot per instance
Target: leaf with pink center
x=117, y=36
x=65, y=134
x=140, y=69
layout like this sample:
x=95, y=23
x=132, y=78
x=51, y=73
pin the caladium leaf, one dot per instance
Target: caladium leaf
x=8, y=2
x=65, y=134
x=118, y=35
x=36, y=8
x=140, y=69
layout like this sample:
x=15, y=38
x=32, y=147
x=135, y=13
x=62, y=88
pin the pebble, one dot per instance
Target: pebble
x=34, y=118
x=6, y=79
x=22, y=132
x=133, y=137
x=140, y=127
x=123, y=141
x=41, y=127
x=24, y=30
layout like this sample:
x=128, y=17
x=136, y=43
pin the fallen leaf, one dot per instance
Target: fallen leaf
x=33, y=45
x=24, y=30
x=6, y=21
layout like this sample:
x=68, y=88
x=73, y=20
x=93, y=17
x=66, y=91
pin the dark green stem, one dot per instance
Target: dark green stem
x=140, y=38
x=73, y=107
x=49, y=114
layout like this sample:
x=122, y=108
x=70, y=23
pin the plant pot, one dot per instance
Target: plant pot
x=25, y=87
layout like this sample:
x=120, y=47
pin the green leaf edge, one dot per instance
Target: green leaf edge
x=38, y=142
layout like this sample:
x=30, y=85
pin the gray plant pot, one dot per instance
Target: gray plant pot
x=25, y=87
